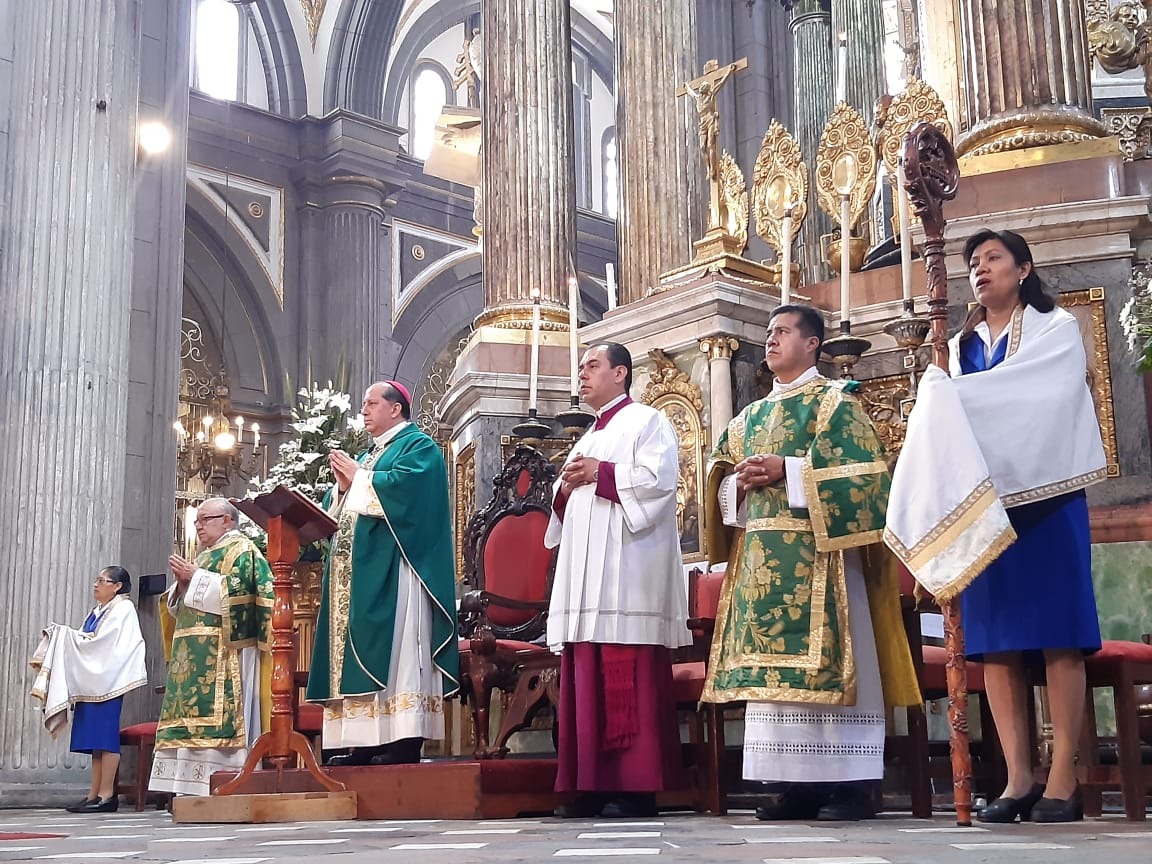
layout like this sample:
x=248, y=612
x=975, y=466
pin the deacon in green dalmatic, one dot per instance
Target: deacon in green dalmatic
x=386, y=655
x=808, y=627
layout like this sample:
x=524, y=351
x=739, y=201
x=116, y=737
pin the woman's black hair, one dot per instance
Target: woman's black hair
x=1032, y=291
x=119, y=574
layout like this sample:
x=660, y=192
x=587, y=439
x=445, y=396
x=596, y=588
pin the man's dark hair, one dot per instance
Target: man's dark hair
x=617, y=355
x=391, y=394
x=119, y=574
x=810, y=321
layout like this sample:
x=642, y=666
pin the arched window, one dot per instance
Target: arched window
x=429, y=94
x=611, y=171
x=217, y=60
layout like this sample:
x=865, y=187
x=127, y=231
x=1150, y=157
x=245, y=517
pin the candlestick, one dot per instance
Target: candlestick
x=786, y=257
x=573, y=348
x=842, y=70
x=905, y=237
x=610, y=284
x=845, y=257
x=239, y=430
x=255, y=435
x=534, y=369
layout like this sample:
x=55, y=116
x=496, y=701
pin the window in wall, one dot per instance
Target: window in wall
x=582, y=125
x=611, y=173
x=217, y=49
x=429, y=95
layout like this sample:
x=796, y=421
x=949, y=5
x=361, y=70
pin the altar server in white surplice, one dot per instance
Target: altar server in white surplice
x=619, y=599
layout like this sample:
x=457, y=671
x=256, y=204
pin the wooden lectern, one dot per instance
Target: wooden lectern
x=290, y=520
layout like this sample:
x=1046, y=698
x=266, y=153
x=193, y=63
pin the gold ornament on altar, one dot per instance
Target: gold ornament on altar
x=735, y=192
x=845, y=164
x=779, y=181
x=916, y=102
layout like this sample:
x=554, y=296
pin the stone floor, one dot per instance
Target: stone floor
x=152, y=837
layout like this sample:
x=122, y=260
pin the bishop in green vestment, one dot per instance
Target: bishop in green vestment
x=798, y=487
x=215, y=696
x=386, y=653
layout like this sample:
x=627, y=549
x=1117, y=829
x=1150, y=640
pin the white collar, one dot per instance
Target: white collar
x=383, y=438
x=809, y=374
x=612, y=404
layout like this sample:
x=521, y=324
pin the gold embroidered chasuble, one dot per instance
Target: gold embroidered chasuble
x=782, y=623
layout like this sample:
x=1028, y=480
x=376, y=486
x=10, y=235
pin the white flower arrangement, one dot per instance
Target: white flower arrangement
x=1136, y=322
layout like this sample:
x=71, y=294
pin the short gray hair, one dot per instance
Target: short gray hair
x=227, y=508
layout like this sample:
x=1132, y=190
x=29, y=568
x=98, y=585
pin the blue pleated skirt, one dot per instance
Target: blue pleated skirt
x=96, y=726
x=1038, y=593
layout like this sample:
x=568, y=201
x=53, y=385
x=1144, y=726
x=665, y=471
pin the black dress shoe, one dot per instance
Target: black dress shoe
x=801, y=801
x=1005, y=810
x=108, y=805
x=585, y=806
x=406, y=751
x=1070, y=809
x=357, y=756
x=631, y=805
x=848, y=804
x=79, y=806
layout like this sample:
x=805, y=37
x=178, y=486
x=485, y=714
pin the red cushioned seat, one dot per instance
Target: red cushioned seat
x=1111, y=649
x=687, y=682
x=506, y=645
x=133, y=734
x=936, y=673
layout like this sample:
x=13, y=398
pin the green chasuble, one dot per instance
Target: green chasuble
x=781, y=625
x=203, y=700
x=409, y=518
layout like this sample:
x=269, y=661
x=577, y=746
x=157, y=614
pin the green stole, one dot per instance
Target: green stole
x=408, y=518
x=781, y=631
x=202, y=704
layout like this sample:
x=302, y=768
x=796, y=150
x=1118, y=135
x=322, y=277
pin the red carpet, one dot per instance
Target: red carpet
x=16, y=835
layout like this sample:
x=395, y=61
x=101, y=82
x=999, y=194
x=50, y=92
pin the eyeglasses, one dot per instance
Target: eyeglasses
x=200, y=520
x=107, y=581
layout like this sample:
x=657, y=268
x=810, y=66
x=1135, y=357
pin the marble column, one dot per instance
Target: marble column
x=814, y=85
x=529, y=163
x=719, y=351
x=356, y=305
x=1028, y=75
x=663, y=191
x=66, y=229
x=862, y=21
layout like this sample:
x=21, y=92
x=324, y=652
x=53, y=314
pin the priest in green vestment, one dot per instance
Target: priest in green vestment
x=808, y=632
x=217, y=698
x=386, y=654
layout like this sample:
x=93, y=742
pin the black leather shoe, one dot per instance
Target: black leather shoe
x=848, y=804
x=110, y=805
x=1070, y=809
x=801, y=802
x=1005, y=810
x=357, y=756
x=633, y=805
x=406, y=751
x=79, y=806
x=585, y=806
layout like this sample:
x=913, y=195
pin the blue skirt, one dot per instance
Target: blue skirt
x=96, y=726
x=1038, y=593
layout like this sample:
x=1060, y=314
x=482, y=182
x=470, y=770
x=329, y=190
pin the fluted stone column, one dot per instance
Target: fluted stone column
x=1028, y=75
x=862, y=21
x=663, y=191
x=356, y=303
x=529, y=162
x=66, y=228
x=814, y=88
x=719, y=352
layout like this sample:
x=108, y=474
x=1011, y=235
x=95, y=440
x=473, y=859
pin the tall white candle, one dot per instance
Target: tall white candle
x=573, y=348
x=534, y=369
x=842, y=70
x=786, y=256
x=610, y=284
x=905, y=235
x=845, y=257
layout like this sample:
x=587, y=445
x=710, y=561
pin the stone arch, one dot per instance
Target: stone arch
x=358, y=57
x=280, y=55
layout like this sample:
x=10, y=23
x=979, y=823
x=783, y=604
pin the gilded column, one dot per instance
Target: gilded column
x=66, y=231
x=862, y=22
x=529, y=163
x=719, y=351
x=1027, y=73
x=663, y=192
x=814, y=85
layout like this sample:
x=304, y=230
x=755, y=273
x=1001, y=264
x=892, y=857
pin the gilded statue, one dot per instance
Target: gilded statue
x=1121, y=39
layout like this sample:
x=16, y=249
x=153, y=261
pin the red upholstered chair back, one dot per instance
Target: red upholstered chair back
x=504, y=554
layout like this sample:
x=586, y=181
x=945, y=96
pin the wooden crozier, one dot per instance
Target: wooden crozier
x=290, y=520
x=931, y=176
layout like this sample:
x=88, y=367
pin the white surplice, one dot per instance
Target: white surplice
x=412, y=706
x=793, y=742
x=619, y=573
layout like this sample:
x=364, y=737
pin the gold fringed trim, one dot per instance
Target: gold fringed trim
x=779, y=523
x=953, y=589
x=775, y=694
x=852, y=469
x=1061, y=487
x=954, y=523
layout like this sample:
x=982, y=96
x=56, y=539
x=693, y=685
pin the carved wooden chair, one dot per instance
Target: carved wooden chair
x=502, y=619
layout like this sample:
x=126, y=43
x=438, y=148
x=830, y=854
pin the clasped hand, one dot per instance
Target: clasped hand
x=578, y=471
x=344, y=467
x=758, y=471
x=182, y=569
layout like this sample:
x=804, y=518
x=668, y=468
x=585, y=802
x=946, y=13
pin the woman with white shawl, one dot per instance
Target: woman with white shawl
x=90, y=670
